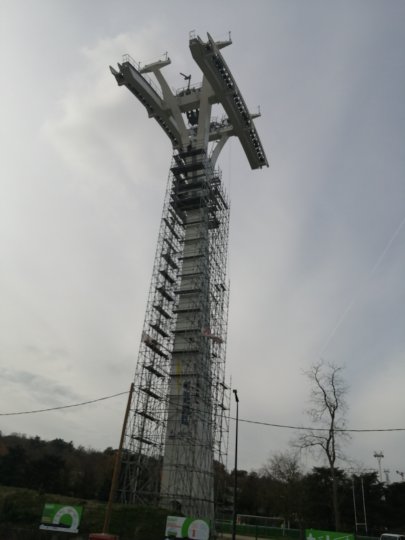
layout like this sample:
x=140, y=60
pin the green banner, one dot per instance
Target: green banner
x=187, y=527
x=314, y=534
x=61, y=517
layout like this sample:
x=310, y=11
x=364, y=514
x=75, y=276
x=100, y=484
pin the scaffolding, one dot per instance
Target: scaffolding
x=180, y=408
x=179, y=416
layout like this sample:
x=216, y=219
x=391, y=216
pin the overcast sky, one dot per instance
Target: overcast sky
x=317, y=242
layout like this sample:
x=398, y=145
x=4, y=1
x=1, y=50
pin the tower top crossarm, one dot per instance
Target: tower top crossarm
x=130, y=75
x=185, y=116
x=212, y=64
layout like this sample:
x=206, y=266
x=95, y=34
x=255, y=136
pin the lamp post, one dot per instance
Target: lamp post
x=235, y=471
x=379, y=455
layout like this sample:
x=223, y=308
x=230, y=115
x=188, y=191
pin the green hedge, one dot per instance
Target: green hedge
x=21, y=511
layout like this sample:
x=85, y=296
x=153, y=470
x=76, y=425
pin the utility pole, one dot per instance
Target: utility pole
x=235, y=472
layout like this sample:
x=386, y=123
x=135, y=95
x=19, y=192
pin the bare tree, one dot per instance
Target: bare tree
x=283, y=473
x=283, y=466
x=327, y=412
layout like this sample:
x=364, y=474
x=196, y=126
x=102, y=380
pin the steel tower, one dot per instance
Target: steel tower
x=178, y=419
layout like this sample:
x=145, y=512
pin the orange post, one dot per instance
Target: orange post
x=117, y=466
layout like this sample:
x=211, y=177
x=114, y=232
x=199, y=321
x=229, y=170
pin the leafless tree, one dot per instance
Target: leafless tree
x=328, y=412
x=283, y=466
x=283, y=474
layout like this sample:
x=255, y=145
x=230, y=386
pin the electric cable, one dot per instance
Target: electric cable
x=365, y=281
x=341, y=430
x=63, y=406
x=246, y=421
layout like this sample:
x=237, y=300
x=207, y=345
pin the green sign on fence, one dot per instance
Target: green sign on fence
x=313, y=534
x=60, y=517
x=187, y=527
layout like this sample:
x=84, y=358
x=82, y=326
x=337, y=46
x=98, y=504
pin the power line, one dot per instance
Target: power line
x=318, y=429
x=356, y=296
x=257, y=422
x=63, y=406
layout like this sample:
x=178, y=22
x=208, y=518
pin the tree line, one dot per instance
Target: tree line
x=279, y=489
x=306, y=500
x=55, y=466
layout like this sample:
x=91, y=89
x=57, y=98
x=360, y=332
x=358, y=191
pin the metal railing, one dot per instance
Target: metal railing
x=256, y=531
x=137, y=66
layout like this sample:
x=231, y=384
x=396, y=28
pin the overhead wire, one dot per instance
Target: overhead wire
x=246, y=421
x=365, y=281
x=303, y=428
x=63, y=406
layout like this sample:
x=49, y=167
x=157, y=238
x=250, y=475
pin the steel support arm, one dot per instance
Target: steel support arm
x=214, y=67
x=129, y=76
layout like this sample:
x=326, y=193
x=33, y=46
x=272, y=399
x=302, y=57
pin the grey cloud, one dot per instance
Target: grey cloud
x=48, y=392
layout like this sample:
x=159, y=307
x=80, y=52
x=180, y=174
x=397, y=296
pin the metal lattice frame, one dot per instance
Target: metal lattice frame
x=179, y=415
x=186, y=316
x=144, y=437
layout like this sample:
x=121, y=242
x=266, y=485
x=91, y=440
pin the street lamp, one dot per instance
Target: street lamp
x=379, y=455
x=235, y=471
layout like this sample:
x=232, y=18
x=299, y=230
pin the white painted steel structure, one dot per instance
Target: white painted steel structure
x=180, y=412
